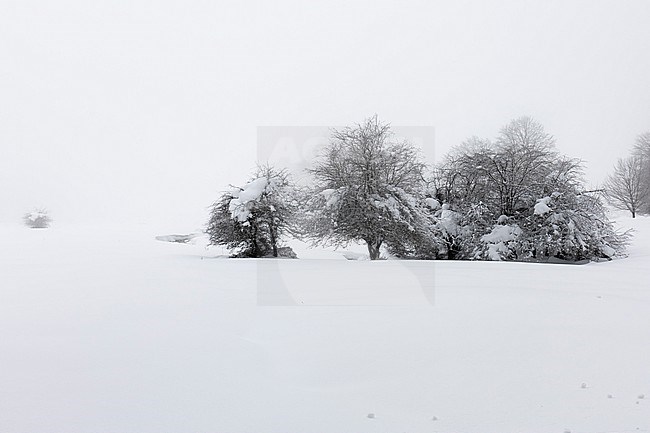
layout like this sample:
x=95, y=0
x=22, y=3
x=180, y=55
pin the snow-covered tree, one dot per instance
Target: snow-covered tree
x=37, y=219
x=369, y=187
x=627, y=187
x=253, y=219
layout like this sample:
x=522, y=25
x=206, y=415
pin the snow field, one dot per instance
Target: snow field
x=106, y=329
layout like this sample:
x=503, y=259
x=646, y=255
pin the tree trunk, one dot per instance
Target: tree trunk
x=274, y=243
x=373, y=249
x=256, y=249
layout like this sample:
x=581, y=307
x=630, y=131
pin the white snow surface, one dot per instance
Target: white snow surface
x=498, y=238
x=33, y=216
x=239, y=205
x=331, y=196
x=253, y=190
x=105, y=329
x=502, y=233
x=449, y=220
x=432, y=203
x=541, y=207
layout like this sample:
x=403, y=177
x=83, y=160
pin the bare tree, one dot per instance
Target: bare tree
x=626, y=188
x=367, y=188
x=509, y=174
x=525, y=155
x=642, y=146
x=642, y=150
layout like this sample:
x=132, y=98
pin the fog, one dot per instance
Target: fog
x=143, y=111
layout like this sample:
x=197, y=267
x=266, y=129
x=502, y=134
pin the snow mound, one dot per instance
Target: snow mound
x=432, y=203
x=541, y=207
x=351, y=255
x=331, y=197
x=498, y=239
x=501, y=234
x=181, y=239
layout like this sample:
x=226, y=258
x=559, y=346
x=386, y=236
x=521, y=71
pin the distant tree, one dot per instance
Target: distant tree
x=253, y=219
x=37, y=219
x=369, y=187
x=642, y=150
x=642, y=146
x=627, y=187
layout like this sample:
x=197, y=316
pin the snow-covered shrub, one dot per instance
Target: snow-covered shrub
x=253, y=219
x=37, y=219
x=573, y=226
x=471, y=225
x=568, y=225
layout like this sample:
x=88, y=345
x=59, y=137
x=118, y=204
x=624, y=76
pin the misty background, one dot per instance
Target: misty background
x=143, y=111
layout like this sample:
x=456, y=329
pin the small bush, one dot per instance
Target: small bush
x=37, y=219
x=252, y=220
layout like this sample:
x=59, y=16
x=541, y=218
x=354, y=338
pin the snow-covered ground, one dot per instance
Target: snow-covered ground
x=108, y=330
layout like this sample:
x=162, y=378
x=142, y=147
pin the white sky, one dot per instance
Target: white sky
x=144, y=110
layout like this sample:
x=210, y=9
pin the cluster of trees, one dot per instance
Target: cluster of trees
x=628, y=187
x=518, y=198
x=514, y=198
